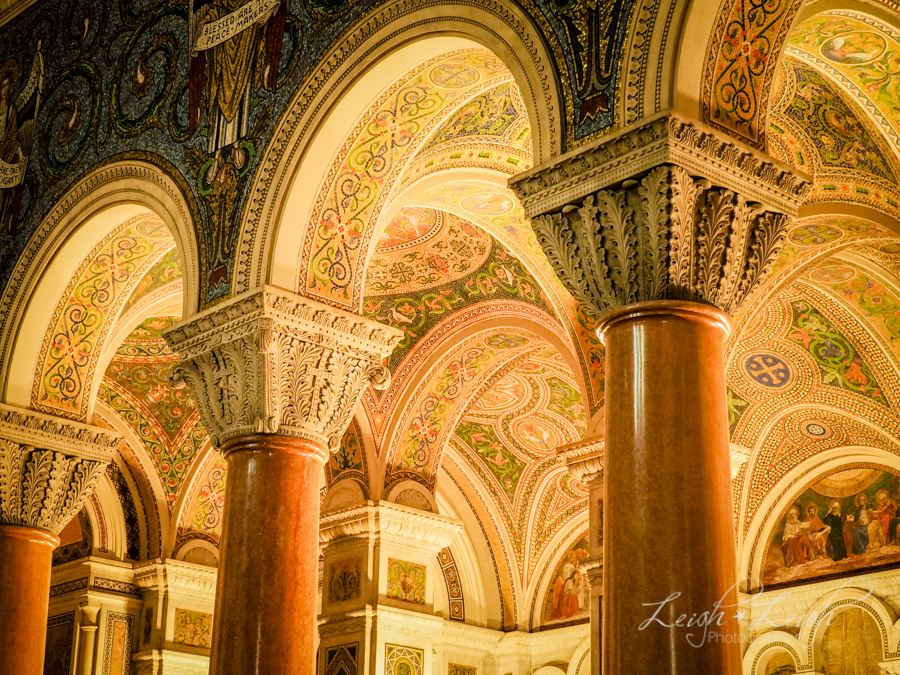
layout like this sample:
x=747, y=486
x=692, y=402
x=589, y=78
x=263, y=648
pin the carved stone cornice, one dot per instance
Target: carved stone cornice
x=428, y=532
x=662, y=139
x=739, y=456
x=173, y=576
x=593, y=568
x=665, y=209
x=48, y=467
x=27, y=427
x=584, y=459
x=270, y=361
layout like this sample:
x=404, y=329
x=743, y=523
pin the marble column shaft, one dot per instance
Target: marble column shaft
x=276, y=378
x=660, y=231
x=48, y=468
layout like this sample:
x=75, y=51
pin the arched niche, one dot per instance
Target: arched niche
x=89, y=211
x=768, y=652
x=833, y=471
x=346, y=81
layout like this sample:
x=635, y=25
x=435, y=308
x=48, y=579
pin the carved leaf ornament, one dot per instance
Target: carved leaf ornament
x=273, y=362
x=667, y=235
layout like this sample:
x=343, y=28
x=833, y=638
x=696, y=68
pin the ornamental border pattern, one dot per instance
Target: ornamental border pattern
x=258, y=209
x=68, y=587
x=508, y=604
x=111, y=619
x=456, y=599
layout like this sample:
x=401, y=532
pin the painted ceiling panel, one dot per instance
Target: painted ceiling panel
x=137, y=387
x=376, y=153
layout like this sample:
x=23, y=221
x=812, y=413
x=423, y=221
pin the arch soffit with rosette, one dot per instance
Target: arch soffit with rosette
x=391, y=41
x=428, y=366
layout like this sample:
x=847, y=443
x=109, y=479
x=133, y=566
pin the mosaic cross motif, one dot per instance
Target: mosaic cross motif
x=768, y=370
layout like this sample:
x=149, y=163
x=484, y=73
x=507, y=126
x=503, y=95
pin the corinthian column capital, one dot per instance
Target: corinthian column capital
x=270, y=361
x=585, y=459
x=48, y=467
x=665, y=209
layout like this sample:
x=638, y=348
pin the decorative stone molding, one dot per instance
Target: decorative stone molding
x=270, y=361
x=663, y=210
x=157, y=662
x=584, y=459
x=175, y=577
x=739, y=457
x=662, y=139
x=48, y=467
x=593, y=567
x=427, y=532
x=27, y=427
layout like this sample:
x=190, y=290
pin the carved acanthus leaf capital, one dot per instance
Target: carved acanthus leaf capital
x=666, y=209
x=270, y=361
x=585, y=459
x=48, y=467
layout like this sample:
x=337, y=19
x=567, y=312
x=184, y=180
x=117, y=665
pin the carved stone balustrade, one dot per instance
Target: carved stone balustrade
x=48, y=467
x=270, y=361
x=664, y=209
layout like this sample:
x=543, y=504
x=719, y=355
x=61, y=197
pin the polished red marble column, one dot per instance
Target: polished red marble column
x=26, y=555
x=265, y=617
x=669, y=547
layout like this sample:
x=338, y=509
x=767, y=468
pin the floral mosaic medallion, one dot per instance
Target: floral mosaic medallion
x=193, y=628
x=403, y=660
x=858, y=48
x=456, y=669
x=568, y=597
x=845, y=522
x=487, y=204
x=406, y=581
x=345, y=580
x=833, y=273
x=813, y=234
x=767, y=370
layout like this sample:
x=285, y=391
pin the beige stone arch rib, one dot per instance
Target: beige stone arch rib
x=88, y=211
x=400, y=34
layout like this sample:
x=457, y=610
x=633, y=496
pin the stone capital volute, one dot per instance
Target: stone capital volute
x=585, y=459
x=49, y=467
x=666, y=209
x=270, y=361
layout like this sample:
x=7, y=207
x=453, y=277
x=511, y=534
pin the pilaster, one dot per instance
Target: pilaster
x=585, y=461
x=380, y=575
x=175, y=630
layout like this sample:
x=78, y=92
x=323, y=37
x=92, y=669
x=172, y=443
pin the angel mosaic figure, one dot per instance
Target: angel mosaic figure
x=17, y=120
x=236, y=49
